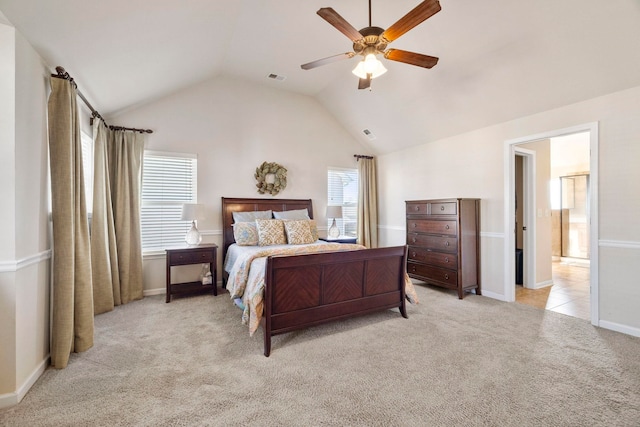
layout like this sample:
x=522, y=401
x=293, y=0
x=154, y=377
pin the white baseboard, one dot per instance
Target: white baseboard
x=11, y=399
x=156, y=291
x=544, y=284
x=493, y=295
x=620, y=328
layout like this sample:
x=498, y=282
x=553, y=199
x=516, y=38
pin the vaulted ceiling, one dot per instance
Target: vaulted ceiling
x=499, y=59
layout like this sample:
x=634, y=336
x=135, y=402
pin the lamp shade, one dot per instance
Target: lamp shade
x=192, y=211
x=334, y=211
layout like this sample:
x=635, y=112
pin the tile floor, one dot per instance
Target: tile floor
x=569, y=293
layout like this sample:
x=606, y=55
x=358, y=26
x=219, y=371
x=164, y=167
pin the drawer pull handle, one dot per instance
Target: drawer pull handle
x=413, y=240
x=417, y=208
x=413, y=269
x=446, y=260
x=415, y=225
x=446, y=226
x=413, y=254
x=441, y=208
x=446, y=276
x=446, y=243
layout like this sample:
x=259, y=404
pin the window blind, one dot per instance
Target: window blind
x=168, y=181
x=342, y=185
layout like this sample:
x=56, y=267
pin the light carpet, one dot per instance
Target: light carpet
x=471, y=362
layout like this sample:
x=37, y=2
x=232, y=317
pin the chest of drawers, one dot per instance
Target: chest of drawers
x=444, y=243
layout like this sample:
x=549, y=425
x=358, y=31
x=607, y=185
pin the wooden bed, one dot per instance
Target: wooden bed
x=307, y=290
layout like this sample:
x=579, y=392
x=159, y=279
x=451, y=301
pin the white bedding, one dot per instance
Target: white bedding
x=236, y=251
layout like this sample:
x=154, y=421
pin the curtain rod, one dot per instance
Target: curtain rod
x=360, y=156
x=62, y=74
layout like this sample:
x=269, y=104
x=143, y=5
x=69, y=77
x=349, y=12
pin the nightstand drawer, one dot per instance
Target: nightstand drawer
x=192, y=257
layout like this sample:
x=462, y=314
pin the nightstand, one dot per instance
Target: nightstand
x=339, y=239
x=200, y=254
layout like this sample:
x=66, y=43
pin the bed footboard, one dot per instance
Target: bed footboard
x=307, y=290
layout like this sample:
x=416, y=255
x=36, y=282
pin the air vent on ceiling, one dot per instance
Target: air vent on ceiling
x=276, y=77
x=369, y=134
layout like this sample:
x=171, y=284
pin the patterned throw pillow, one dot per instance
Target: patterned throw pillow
x=245, y=233
x=314, y=229
x=270, y=232
x=298, y=232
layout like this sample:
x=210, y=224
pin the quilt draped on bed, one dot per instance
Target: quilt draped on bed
x=246, y=280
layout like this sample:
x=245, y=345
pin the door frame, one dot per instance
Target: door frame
x=528, y=216
x=509, y=209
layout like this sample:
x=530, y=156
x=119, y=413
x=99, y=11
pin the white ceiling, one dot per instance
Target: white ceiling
x=499, y=59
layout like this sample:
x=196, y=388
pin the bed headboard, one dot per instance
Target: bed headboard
x=230, y=205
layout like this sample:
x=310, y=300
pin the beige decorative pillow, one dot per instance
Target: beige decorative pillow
x=298, y=232
x=314, y=229
x=245, y=233
x=270, y=232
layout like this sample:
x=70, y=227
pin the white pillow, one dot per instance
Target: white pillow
x=294, y=214
x=251, y=216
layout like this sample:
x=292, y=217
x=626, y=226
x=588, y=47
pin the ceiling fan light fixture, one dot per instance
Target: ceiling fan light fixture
x=369, y=65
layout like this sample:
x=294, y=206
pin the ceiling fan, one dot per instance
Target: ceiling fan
x=371, y=41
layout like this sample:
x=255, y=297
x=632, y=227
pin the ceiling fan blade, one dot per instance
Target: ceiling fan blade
x=328, y=60
x=365, y=83
x=333, y=18
x=412, y=58
x=420, y=13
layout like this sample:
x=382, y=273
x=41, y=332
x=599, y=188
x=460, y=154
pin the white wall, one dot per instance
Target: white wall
x=471, y=165
x=233, y=126
x=24, y=247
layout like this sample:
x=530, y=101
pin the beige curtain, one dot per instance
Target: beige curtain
x=367, y=203
x=72, y=300
x=116, y=248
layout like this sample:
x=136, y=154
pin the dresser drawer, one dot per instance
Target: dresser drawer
x=437, y=243
x=432, y=226
x=438, y=259
x=445, y=208
x=192, y=257
x=437, y=274
x=417, y=208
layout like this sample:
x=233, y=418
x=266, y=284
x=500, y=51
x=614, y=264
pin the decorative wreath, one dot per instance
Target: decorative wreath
x=272, y=178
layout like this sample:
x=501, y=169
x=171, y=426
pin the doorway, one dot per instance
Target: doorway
x=570, y=190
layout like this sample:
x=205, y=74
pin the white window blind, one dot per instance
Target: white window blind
x=342, y=185
x=168, y=181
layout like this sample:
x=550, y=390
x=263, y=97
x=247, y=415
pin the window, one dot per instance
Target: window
x=168, y=181
x=87, y=169
x=342, y=185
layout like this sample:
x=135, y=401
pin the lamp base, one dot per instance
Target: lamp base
x=334, y=231
x=193, y=236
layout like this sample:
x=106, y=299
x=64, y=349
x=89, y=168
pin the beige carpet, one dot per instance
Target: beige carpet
x=475, y=362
